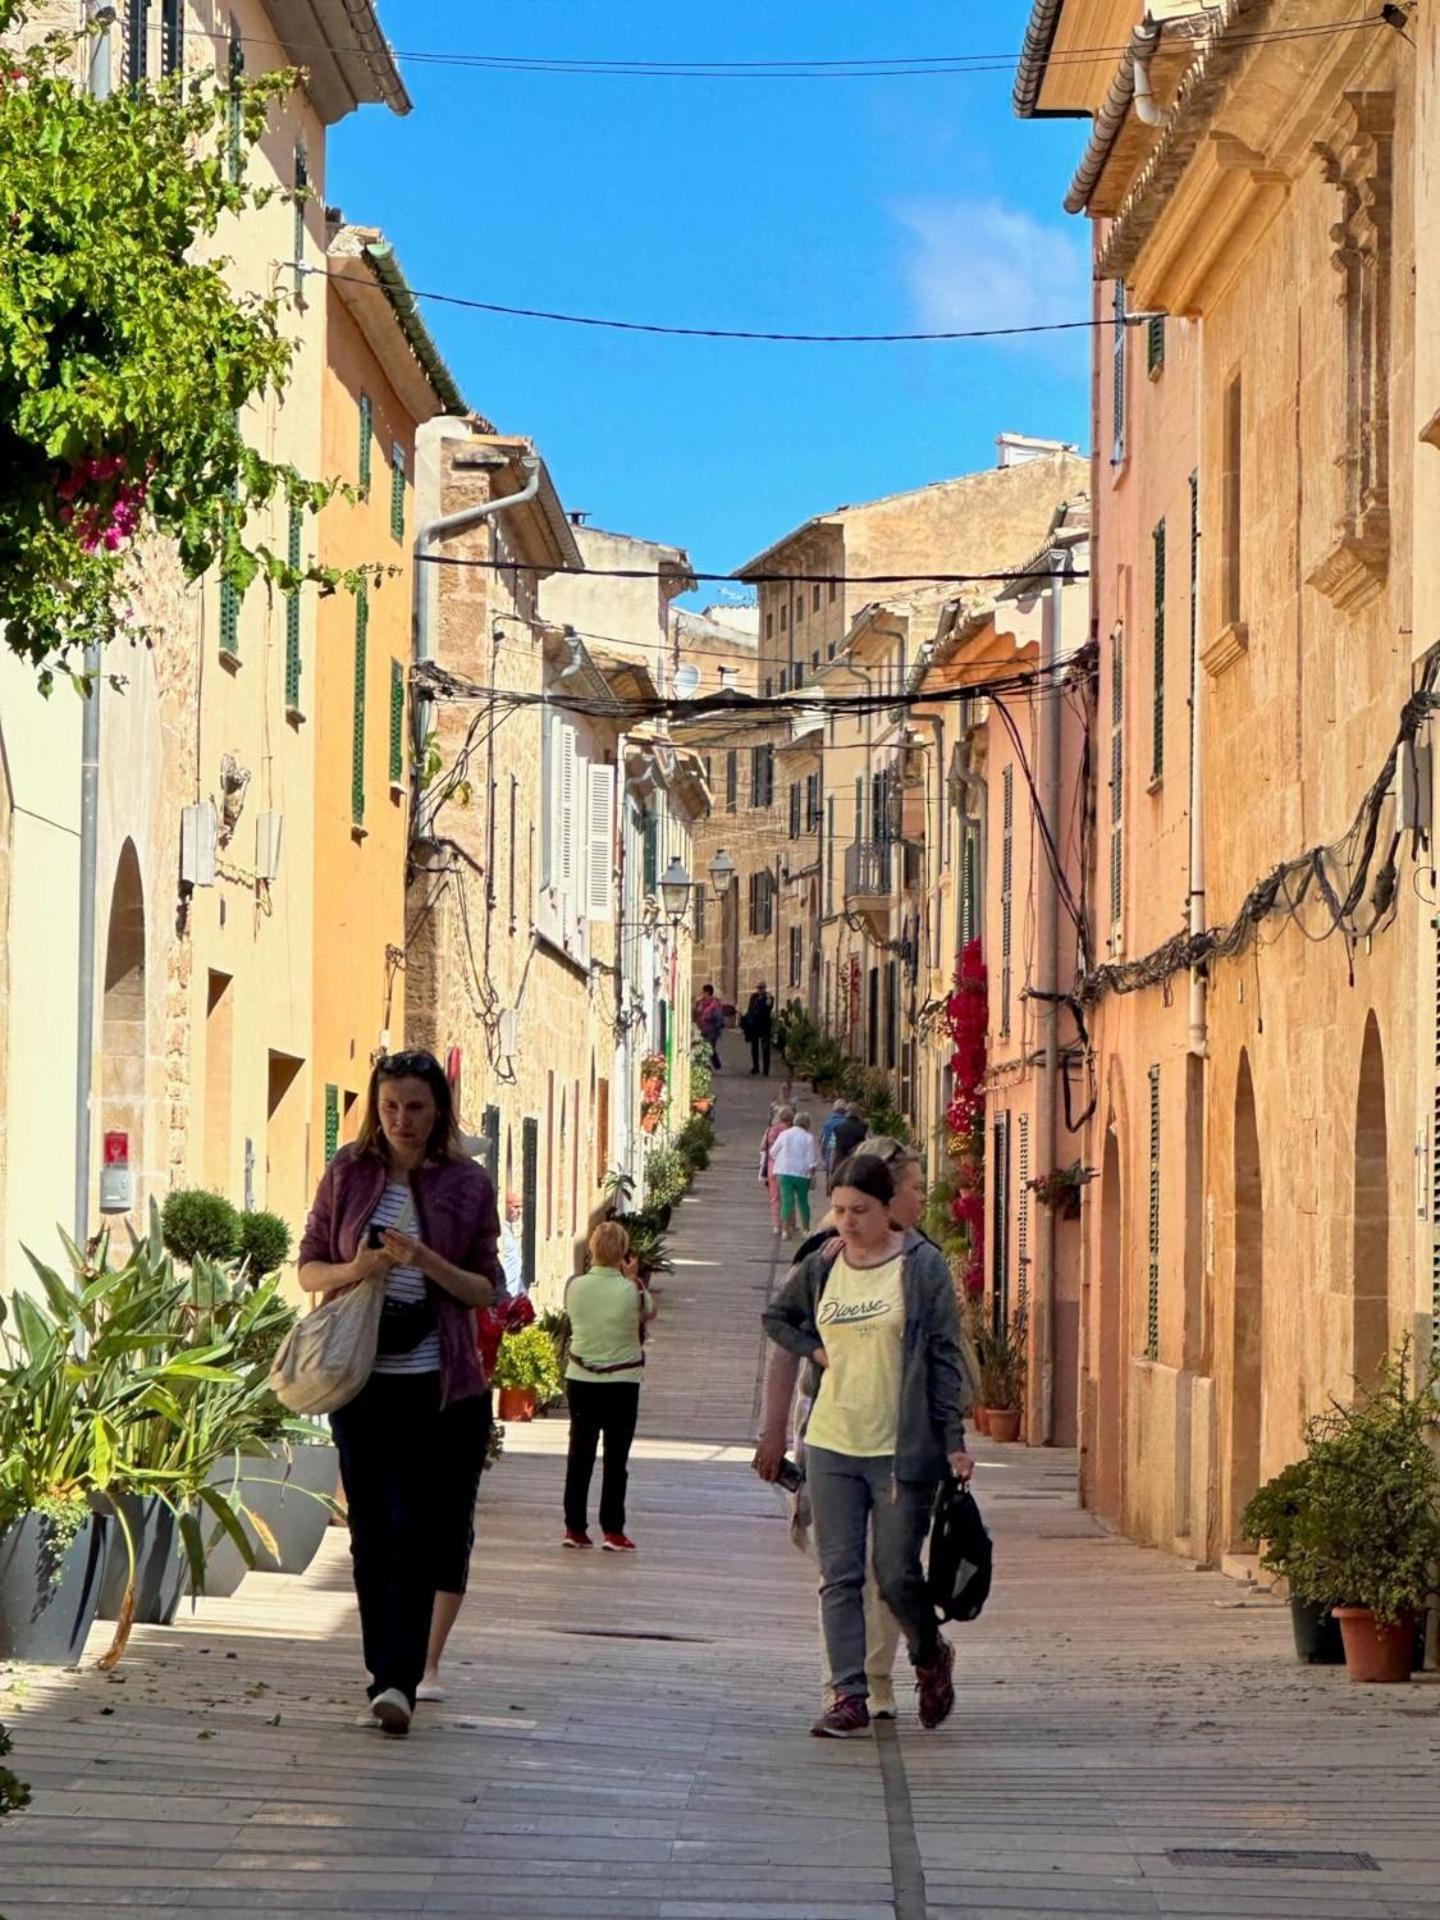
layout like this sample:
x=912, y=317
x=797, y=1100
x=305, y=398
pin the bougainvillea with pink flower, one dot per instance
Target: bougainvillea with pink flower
x=966, y=1022
x=127, y=359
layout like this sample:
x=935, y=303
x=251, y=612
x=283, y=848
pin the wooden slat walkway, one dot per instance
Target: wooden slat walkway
x=628, y=1737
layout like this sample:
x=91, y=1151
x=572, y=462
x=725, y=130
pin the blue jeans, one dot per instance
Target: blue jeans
x=850, y=1497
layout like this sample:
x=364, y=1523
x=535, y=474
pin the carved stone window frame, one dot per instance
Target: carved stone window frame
x=1356, y=159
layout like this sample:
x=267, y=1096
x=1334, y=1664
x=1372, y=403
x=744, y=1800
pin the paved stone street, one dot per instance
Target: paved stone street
x=628, y=1737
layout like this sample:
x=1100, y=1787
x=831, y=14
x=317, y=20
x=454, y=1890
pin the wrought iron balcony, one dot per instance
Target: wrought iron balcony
x=869, y=868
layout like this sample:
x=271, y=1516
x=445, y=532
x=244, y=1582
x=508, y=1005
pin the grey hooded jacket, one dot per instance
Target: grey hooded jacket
x=932, y=1382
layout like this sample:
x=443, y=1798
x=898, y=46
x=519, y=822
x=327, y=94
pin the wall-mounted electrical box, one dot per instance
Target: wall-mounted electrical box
x=269, y=828
x=198, y=830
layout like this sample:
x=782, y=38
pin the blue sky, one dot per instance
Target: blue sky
x=827, y=206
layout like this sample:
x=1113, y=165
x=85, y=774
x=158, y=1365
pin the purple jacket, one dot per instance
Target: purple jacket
x=456, y=1215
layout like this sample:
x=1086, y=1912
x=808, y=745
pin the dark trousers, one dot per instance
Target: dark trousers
x=596, y=1410
x=760, y=1052
x=411, y=1472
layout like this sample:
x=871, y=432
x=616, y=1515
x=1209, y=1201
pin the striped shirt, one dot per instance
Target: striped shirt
x=404, y=1283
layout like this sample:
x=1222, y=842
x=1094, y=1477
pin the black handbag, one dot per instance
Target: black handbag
x=961, y=1555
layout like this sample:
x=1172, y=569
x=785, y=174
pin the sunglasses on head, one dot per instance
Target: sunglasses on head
x=399, y=1063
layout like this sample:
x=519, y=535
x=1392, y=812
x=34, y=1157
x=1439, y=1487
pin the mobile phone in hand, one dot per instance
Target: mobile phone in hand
x=791, y=1477
x=374, y=1240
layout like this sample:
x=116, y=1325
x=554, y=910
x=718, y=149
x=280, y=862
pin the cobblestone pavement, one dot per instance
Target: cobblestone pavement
x=627, y=1737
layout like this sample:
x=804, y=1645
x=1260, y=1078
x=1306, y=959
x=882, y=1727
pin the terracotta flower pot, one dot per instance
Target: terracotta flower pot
x=517, y=1403
x=1003, y=1423
x=1375, y=1650
x=982, y=1419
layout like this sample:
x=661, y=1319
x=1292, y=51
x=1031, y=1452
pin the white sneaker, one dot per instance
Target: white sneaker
x=366, y=1719
x=393, y=1711
x=429, y=1690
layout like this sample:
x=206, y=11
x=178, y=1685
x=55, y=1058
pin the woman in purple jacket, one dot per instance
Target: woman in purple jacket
x=405, y=1201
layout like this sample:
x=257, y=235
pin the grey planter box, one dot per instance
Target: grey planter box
x=281, y=1492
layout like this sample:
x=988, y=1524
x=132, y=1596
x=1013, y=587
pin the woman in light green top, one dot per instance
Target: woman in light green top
x=608, y=1308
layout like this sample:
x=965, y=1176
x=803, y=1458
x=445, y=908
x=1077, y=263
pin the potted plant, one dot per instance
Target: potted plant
x=526, y=1373
x=1274, y=1519
x=1002, y=1378
x=1368, y=1531
x=1061, y=1188
x=648, y=1241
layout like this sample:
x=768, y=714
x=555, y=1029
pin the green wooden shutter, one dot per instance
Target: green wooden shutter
x=397, y=722
x=229, y=619
x=529, y=1196
x=652, y=852
x=397, y=491
x=332, y=1123
x=292, y=620
x=302, y=184
x=234, y=118
x=1155, y=344
x=367, y=431
x=1157, y=733
x=357, y=755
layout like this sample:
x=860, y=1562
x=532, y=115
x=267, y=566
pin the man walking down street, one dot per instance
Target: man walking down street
x=758, y=1025
x=848, y=1135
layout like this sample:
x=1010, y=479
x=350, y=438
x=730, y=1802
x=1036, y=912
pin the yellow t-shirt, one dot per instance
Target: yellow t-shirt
x=862, y=1325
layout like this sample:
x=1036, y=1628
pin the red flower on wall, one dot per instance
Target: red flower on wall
x=966, y=1021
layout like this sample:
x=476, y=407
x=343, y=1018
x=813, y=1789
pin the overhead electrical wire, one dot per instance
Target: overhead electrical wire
x=664, y=328
x=857, y=67
x=751, y=578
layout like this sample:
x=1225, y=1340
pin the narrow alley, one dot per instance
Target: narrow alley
x=628, y=1738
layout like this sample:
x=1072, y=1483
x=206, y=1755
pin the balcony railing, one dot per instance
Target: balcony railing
x=869, y=867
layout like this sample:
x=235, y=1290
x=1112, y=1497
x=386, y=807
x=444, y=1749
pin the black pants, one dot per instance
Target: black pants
x=760, y=1049
x=411, y=1473
x=598, y=1409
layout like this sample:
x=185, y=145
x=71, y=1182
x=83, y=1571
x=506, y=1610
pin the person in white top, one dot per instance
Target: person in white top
x=512, y=1251
x=794, y=1158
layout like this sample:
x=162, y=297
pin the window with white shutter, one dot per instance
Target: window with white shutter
x=569, y=808
x=599, y=898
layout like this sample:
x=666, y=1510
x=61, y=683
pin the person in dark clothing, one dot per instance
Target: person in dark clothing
x=848, y=1135
x=759, y=1025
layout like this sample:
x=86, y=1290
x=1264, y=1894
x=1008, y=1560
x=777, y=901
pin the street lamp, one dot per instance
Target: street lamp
x=675, y=891
x=722, y=872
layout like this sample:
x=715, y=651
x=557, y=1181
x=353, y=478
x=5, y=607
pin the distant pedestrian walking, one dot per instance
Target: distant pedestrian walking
x=710, y=1020
x=827, y=1133
x=848, y=1135
x=608, y=1309
x=879, y=1327
x=758, y=1025
x=780, y=1119
x=795, y=1158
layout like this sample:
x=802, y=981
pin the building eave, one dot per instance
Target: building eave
x=1035, y=57
x=367, y=278
x=345, y=55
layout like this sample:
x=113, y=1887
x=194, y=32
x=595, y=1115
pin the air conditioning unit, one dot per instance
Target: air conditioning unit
x=268, y=830
x=198, y=831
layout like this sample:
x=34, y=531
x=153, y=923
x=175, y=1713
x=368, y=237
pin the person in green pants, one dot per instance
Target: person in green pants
x=794, y=1158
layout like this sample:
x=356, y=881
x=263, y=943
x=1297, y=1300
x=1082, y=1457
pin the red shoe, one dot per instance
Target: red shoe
x=848, y=1719
x=574, y=1539
x=618, y=1543
x=935, y=1686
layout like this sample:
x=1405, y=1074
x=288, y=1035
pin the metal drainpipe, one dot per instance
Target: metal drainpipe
x=1042, y=1399
x=427, y=538
x=85, y=988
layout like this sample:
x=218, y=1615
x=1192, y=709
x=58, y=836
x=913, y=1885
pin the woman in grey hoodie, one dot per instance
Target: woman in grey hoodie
x=878, y=1326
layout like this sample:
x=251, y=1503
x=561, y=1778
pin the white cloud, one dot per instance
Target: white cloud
x=980, y=263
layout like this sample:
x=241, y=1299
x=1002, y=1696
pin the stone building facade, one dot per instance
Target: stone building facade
x=1244, y=1255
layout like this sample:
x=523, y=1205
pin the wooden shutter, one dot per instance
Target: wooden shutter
x=172, y=36
x=292, y=618
x=1152, y=1291
x=1000, y=1226
x=301, y=191
x=1022, y=1213
x=397, y=723
x=1117, y=787
x=367, y=434
x=732, y=779
x=234, y=118
x=332, y=1123
x=650, y=829
x=397, y=491
x=569, y=803
x=599, y=904
x=1194, y=579
x=529, y=1195
x=794, y=809
x=1157, y=711
x=1155, y=344
x=137, y=41
x=490, y=1133
x=602, y=1131
x=357, y=741
x=1117, y=445
x=229, y=620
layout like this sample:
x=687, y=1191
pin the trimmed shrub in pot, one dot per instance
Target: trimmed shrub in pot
x=1367, y=1535
x=526, y=1373
x=1273, y=1519
x=262, y=1243
x=196, y=1225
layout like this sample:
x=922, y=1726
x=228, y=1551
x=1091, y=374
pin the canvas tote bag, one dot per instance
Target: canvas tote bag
x=326, y=1358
